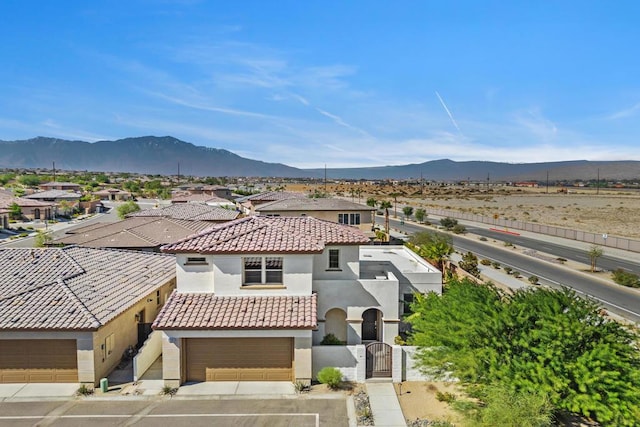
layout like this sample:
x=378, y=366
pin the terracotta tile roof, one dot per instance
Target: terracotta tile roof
x=149, y=232
x=307, y=204
x=75, y=288
x=270, y=196
x=54, y=194
x=201, y=197
x=7, y=201
x=257, y=234
x=191, y=211
x=207, y=311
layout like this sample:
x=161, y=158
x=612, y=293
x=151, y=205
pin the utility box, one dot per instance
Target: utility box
x=104, y=385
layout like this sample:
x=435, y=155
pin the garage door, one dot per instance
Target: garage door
x=38, y=361
x=244, y=359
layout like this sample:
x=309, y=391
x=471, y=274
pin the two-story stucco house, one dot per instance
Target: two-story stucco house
x=255, y=295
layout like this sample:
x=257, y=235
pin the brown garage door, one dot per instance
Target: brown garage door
x=38, y=361
x=242, y=359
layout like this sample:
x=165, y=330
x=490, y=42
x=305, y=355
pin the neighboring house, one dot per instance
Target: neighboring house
x=68, y=314
x=212, y=190
x=66, y=201
x=255, y=295
x=65, y=186
x=112, y=194
x=203, y=198
x=335, y=210
x=191, y=212
x=31, y=209
x=249, y=204
x=135, y=233
x=4, y=218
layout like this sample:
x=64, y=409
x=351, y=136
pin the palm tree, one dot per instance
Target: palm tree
x=595, y=252
x=385, y=204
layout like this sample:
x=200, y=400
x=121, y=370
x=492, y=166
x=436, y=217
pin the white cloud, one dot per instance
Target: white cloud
x=626, y=113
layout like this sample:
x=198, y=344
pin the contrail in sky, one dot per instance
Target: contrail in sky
x=448, y=112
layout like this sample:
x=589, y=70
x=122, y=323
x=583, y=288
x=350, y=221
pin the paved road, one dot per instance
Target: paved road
x=605, y=262
x=622, y=301
x=192, y=413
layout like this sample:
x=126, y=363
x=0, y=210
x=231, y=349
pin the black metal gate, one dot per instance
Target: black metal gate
x=379, y=360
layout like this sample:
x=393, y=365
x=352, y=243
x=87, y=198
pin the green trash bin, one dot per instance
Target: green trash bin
x=104, y=385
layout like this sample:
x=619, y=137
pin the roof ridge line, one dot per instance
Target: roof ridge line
x=88, y=313
x=235, y=236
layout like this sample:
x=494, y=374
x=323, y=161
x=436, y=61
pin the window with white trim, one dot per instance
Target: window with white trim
x=262, y=270
x=349, y=218
x=334, y=259
x=196, y=261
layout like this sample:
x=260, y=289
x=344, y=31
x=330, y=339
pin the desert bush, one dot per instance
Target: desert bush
x=330, y=376
x=626, y=278
x=445, y=397
x=496, y=265
x=533, y=280
x=459, y=229
x=485, y=261
x=331, y=339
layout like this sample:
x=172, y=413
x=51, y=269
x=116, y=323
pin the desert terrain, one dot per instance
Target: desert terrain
x=610, y=211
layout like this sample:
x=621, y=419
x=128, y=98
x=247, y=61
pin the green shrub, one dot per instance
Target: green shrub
x=496, y=265
x=485, y=262
x=459, y=229
x=508, y=270
x=445, y=397
x=84, y=390
x=331, y=339
x=626, y=278
x=482, y=239
x=533, y=280
x=331, y=377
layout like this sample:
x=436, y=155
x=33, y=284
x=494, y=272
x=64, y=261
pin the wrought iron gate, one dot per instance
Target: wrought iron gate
x=379, y=360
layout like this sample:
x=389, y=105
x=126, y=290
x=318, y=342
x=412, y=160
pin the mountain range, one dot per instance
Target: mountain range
x=165, y=155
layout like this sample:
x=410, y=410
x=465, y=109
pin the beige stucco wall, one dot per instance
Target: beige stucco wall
x=125, y=330
x=366, y=217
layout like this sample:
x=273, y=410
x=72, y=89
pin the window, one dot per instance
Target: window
x=334, y=259
x=157, y=297
x=407, y=300
x=260, y=270
x=349, y=218
x=196, y=261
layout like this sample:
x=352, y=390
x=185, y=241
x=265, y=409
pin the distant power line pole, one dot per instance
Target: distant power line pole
x=547, y=181
x=598, y=183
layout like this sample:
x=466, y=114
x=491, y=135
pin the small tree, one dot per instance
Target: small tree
x=595, y=252
x=42, y=238
x=407, y=211
x=420, y=215
x=372, y=202
x=127, y=208
x=448, y=223
x=15, y=211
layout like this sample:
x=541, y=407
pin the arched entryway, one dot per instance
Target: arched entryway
x=372, y=325
x=336, y=323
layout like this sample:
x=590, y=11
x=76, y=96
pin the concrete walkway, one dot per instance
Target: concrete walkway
x=37, y=391
x=384, y=405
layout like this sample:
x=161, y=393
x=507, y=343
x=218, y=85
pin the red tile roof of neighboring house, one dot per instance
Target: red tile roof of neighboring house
x=75, y=288
x=207, y=311
x=201, y=197
x=269, y=235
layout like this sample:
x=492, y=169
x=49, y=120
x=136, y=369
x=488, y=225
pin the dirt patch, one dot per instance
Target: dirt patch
x=418, y=401
x=604, y=211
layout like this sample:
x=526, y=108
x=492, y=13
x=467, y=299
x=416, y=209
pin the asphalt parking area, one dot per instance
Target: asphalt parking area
x=192, y=413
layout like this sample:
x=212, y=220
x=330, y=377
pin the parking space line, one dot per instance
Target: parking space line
x=102, y=416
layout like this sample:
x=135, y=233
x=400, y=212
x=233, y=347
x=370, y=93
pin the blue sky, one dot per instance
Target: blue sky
x=341, y=83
